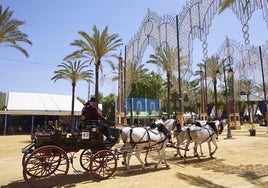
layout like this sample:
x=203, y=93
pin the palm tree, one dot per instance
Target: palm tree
x=72, y=71
x=9, y=31
x=95, y=48
x=135, y=74
x=201, y=79
x=166, y=59
x=225, y=4
x=212, y=66
x=247, y=86
x=191, y=94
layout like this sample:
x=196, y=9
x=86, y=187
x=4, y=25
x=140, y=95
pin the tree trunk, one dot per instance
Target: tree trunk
x=97, y=80
x=168, y=95
x=72, y=111
x=216, y=98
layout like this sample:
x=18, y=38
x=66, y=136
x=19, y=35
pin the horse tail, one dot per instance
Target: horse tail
x=130, y=135
x=188, y=133
x=221, y=127
x=125, y=134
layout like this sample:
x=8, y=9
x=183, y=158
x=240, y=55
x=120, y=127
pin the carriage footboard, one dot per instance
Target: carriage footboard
x=29, y=148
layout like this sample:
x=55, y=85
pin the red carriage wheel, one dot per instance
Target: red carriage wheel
x=46, y=167
x=85, y=158
x=103, y=164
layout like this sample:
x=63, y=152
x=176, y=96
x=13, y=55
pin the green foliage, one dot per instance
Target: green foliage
x=10, y=34
x=95, y=48
x=72, y=71
x=148, y=87
x=149, y=112
x=166, y=58
x=138, y=111
x=225, y=4
x=251, y=125
x=108, y=107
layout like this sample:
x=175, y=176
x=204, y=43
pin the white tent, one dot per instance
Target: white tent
x=18, y=103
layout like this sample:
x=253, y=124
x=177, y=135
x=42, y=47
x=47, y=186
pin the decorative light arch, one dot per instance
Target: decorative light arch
x=194, y=22
x=154, y=31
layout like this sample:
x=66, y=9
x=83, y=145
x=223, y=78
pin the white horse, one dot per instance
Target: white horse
x=125, y=134
x=200, y=134
x=181, y=137
x=138, y=139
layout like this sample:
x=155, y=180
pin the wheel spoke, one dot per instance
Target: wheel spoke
x=46, y=167
x=103, y=164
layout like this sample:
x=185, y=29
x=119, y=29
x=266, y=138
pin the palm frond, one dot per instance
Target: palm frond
x=225, y=4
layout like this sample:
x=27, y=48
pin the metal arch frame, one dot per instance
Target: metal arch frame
x=193, y=22
x=196, y=18
x=158, y=34
x=246, y=58
x=206, y=10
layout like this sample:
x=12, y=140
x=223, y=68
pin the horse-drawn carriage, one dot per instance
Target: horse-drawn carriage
x=45, y=161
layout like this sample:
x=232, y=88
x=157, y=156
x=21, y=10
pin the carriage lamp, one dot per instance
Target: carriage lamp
x=93, y=129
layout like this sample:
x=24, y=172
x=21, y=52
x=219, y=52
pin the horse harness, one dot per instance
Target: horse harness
x=147, y=132
x=209, y=137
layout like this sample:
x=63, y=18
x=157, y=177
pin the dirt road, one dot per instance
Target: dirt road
x=239, y=162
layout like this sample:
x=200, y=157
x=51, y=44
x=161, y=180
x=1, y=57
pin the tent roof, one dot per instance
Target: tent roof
x=19, y=103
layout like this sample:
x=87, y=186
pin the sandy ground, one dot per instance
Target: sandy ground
x=239, y=162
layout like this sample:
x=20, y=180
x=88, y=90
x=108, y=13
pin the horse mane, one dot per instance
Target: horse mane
x=211, y=123
x=162, y=128
x=197, y=124
x=213, y=126
x=153, y=125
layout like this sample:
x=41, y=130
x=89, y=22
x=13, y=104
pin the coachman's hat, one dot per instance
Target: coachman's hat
x=92, y=99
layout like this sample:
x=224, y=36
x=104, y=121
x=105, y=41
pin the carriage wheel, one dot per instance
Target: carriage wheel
x=103, y=164
x=46, y=167
x=85, y=158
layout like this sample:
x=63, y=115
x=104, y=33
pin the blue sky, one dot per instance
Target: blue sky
x=53, y=24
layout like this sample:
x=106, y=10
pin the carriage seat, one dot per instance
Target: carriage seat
x=88, y=124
